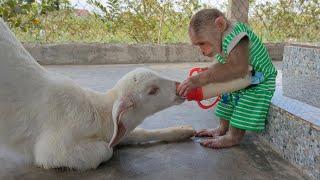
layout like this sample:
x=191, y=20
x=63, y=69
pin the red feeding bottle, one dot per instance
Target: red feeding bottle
x=197, y=93
x=215, y=89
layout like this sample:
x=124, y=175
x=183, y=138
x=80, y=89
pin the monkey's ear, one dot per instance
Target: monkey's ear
x=221, y=23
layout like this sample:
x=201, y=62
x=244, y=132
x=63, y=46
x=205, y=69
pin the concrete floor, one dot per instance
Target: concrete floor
x=186, y=160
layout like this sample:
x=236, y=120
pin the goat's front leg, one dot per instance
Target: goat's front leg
x=82, y=156
x=171, y=134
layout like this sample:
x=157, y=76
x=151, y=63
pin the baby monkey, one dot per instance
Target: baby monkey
x=235, y=47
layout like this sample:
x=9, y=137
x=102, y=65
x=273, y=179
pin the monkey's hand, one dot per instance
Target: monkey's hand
x=189, y=84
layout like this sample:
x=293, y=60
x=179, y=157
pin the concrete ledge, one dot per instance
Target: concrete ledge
x=275, y=50
x=301, y=73
x=293, y=130
x=77, y=53
x=295, y=139
x=97, y=53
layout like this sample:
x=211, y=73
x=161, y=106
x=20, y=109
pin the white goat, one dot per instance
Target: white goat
x=56, y=123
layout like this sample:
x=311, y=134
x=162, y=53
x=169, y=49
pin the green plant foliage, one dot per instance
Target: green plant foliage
x=150, y=21
x=147, y=20
x=294, y=20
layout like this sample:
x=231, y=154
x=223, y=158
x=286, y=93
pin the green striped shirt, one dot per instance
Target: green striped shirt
x=259, y=57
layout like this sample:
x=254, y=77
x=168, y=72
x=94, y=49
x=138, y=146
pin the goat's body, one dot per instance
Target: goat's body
x=50, y=119
x=34, y=102
x=22, y=81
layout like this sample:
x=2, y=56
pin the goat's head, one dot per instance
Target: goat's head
x=140, y=93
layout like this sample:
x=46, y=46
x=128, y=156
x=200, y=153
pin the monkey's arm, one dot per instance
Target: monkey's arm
x=236, y=66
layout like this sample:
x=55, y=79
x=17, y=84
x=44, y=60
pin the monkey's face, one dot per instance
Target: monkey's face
x=206, y=42
x=206, y=48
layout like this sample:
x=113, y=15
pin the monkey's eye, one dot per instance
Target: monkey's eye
x=153, y=90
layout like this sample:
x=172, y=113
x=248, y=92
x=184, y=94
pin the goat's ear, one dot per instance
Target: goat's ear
x=120, y=107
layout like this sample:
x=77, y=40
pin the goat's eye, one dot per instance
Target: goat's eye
x=153, y=90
